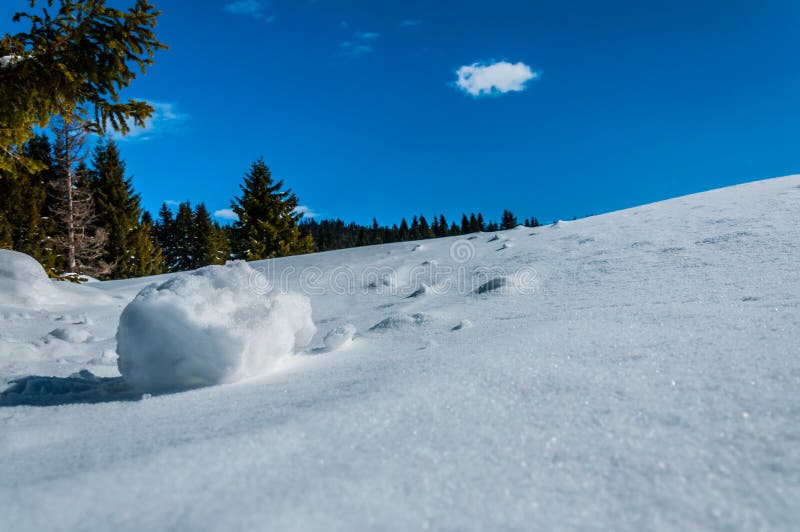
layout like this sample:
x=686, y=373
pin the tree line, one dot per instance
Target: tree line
x=77, y=212
x=336, y=234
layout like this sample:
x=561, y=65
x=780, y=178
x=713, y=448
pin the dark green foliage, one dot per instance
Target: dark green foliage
x=26, y=222
x=532, y=222
x=145, y=255
x=73, y=61
x=164, y=233
x=210, y=244
x=268, y=218
x=118, y=211
x=184, y=247
x=425, y=230
x=508, y=220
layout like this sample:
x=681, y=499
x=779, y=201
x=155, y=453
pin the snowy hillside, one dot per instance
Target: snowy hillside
x=635, y=370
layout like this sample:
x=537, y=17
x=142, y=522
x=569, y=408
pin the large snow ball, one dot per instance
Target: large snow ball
x=23, y=281
x=208, y=327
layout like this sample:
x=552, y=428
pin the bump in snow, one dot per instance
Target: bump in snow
x=340, y=337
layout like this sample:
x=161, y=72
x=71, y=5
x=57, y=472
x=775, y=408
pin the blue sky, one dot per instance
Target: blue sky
x=564, y=108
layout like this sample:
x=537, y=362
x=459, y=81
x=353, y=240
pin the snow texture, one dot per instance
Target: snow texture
x=208, y=327
x=340, y=336
x=648, y=381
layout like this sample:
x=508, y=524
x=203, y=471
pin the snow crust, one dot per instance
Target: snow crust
x=637, y=370
x=210, y=326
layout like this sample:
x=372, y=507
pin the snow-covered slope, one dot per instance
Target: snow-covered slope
x=636, y=370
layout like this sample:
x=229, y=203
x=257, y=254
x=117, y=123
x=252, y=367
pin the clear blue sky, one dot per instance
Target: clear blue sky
x=356, y=105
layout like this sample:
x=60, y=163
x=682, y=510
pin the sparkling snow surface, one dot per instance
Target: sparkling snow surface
x=635, y=370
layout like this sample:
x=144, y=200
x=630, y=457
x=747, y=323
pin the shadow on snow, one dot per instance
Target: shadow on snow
x=81, y=387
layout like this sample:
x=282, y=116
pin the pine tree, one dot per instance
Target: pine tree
x=465, y=228
x=184, y=246
x=424, y=229
x=403, y=233
x=208, y=241
x=508, y=221
x=73, y=62
x=268, y=218
x=146, y=257
x=481, y=225
x=454, y=230
x=474, y=227
x=164, y=231
x=377, y=233
x=533, y=222
x=118, y=211
x=26, y=223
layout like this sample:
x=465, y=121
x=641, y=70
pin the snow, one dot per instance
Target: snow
x=23, y=281
x=340, y=336
x=636, y=370
x=208, y=327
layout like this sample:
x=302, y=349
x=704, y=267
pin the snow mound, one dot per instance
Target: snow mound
x=463, y=324
x=421, y=291
x=340, y=337
x=495, y=284
x=208, y=327
x=400, y=321
x=71, y=335
x=23, y=281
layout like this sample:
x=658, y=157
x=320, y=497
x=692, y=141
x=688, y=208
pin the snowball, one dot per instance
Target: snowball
x=208, y=327
x=23, y=281
x=340, y=336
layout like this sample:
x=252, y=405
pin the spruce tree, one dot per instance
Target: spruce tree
x=465, y=228
x=146, y=256
x=403, y=233
x=414, y=233
x=208, y=242
x=425, y=229
x=118, y=211
x=268, y=218
x=73, y=61
x=164, y=231
x=508, y=220
x=184, y=234
x=480, y=225
x=26, y=221
x=474, y=227
x=442, y=226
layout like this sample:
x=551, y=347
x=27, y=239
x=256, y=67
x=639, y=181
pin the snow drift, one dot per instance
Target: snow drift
x=23, y=281
x=207, y=327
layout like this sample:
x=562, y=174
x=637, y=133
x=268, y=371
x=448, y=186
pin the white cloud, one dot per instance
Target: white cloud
x=306, y=211
x=165, y=118
x=410, y=22
x=226, y=214
x=359, y=45
x=249, y=8
x=367, y=35
x=495, y=78
x=172, y=202
x=354, y=49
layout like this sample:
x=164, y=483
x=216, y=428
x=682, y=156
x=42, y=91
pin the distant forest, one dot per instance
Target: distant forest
x=77, y=213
